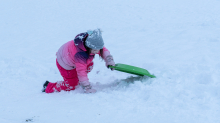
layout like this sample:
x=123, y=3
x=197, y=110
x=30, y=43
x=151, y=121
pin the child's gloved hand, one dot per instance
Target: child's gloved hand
x=87, y=87
x=109, y=61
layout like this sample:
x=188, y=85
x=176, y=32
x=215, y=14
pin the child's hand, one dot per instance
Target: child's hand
x=87, y=87
x=109, y=61
x=90, y=90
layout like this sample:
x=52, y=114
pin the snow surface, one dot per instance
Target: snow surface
x=176, y=40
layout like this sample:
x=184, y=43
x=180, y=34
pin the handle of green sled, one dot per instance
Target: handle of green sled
x=111, y=67
x=115, y=67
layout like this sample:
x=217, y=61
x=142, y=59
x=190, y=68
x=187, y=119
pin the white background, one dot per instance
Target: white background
x=176, y=40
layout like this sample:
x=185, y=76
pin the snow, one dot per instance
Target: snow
x=177, y=41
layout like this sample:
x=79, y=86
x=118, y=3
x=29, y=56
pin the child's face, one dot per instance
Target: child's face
x=93, y=51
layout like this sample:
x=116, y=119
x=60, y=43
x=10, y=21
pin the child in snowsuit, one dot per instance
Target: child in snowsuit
x=75, y=60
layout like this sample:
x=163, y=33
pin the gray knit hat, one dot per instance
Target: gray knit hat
x=94, y=40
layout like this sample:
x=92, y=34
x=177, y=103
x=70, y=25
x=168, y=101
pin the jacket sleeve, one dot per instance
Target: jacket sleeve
x=105, y=53
x=81, y=66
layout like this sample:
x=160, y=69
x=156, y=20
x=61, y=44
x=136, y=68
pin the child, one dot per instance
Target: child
x=74, y=61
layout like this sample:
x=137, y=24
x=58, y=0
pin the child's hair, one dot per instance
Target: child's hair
x=88, y=50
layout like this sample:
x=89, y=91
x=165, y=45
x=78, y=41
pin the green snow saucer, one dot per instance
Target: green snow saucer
x=132, y=70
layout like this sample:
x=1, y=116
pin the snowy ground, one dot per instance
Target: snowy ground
x=176, y=40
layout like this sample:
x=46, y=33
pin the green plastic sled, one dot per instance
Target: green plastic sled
x=132, y=70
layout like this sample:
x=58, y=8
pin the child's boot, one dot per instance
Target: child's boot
x=45, y=86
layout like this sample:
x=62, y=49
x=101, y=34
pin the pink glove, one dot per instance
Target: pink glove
x=87, y=87
x=109, y=61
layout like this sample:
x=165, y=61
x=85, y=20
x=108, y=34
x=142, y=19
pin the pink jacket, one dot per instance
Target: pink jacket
x=72, y=55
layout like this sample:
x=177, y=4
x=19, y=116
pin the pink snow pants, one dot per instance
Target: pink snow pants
x=70, y=80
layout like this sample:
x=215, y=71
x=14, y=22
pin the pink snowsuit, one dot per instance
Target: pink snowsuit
x=74, y=64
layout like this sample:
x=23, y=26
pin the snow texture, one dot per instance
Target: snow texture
x=176, y=40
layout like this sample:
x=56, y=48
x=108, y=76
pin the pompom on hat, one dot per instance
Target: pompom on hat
x=94, y=40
